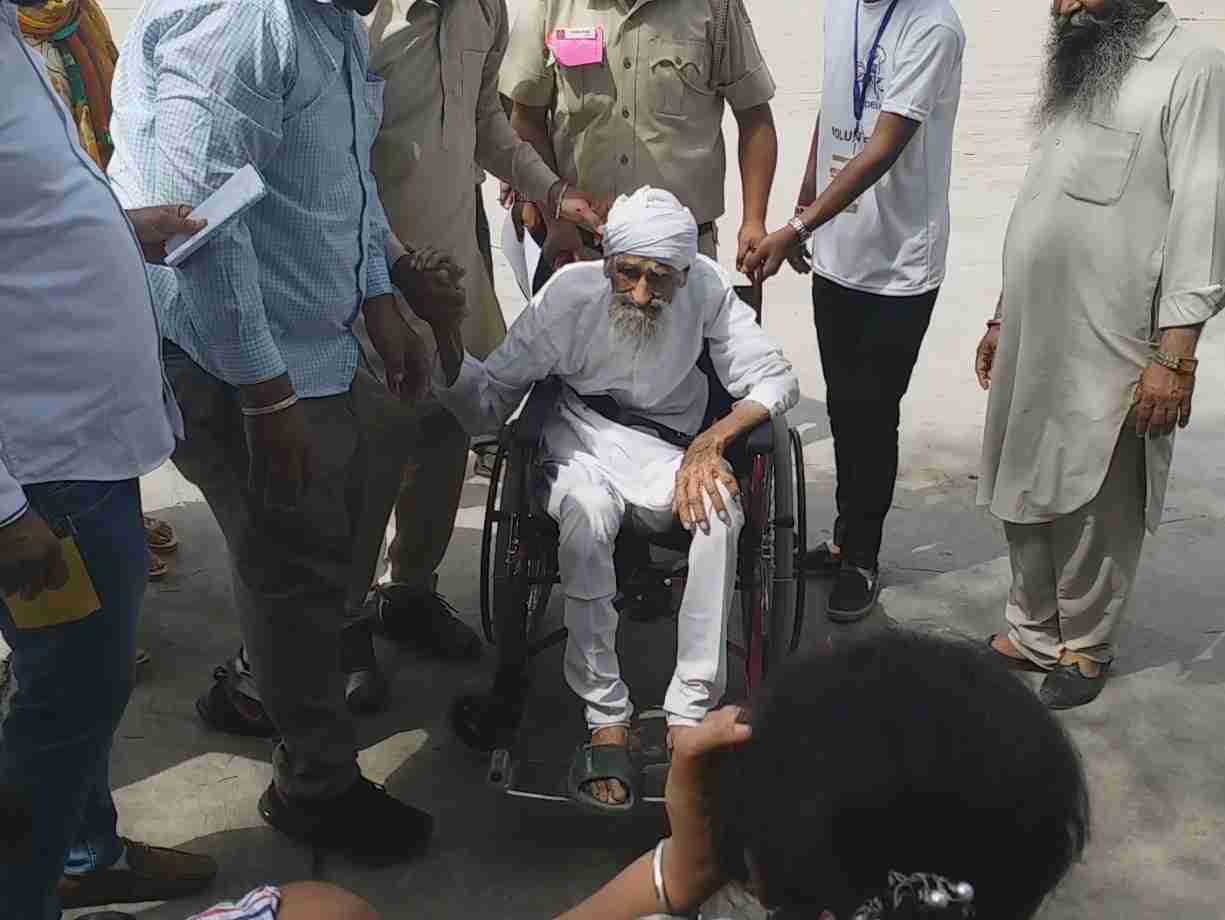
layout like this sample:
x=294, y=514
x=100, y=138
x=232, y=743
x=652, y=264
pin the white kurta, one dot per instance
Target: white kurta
x=565, y=333
x=1119, y=232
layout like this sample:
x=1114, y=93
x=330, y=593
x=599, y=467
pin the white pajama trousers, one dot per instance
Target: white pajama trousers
x=590, y=513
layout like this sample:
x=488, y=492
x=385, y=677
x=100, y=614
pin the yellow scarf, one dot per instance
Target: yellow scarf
x=79, y=31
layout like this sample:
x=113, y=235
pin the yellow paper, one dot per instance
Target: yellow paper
x=75, y=601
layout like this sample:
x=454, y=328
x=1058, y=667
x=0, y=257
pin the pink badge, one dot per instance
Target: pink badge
x=576, y=47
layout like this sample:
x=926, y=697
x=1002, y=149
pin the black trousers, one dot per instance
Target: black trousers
x=869, y=344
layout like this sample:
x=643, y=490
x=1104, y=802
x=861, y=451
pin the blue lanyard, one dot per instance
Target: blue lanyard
x=860, y=90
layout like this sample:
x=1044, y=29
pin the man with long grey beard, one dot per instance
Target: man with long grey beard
x=1114, y=260
x=632, y=329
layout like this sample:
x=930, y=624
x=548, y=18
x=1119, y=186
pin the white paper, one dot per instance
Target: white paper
x=522, y=254
x=238, y=193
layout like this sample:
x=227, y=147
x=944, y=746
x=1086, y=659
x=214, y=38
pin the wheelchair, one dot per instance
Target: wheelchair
x=519, y=569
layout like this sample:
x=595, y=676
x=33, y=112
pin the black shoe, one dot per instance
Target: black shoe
x=1066, y=687
x=365, y=687
x=364, y=823
x=486, y=721
x=426, y=621
x=225, y=708
x=822, y=562
x=855, y=594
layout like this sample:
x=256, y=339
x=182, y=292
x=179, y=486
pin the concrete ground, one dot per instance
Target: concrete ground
x=1153, y=743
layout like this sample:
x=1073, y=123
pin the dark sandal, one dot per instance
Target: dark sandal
x=485, y=721
x=223, y=708
x=1066, y=687
x=1013, y=664
x=595, y=762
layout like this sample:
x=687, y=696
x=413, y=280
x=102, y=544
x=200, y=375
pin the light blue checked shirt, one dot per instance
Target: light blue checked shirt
x=203, y=88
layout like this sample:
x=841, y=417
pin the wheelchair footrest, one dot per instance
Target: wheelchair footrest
x=545, y=780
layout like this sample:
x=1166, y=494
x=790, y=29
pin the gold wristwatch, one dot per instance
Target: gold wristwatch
x=1176, y=363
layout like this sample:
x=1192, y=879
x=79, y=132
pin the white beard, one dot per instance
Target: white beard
x=631, y=324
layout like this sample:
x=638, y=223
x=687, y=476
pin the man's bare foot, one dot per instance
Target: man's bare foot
x=609, y=791
x=1087, y=666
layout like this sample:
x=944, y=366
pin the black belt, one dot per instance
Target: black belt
x=590, y=241
x=609, y=408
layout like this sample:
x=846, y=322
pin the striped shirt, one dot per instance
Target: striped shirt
x=260, y=904
x=205, y=87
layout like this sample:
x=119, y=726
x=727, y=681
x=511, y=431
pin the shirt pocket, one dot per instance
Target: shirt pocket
x=680, y=76
x=1103, y=164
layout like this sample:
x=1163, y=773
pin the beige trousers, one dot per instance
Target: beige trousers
x=1072, y=578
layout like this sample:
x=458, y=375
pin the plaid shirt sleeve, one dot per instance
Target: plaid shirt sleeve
x=378, y=275
x=219, y=92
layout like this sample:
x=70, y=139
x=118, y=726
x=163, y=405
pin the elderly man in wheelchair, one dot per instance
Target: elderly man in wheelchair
x=622, y=446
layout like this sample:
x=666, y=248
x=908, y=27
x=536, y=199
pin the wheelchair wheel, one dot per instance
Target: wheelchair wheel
x=772, y=588
x=518, y=554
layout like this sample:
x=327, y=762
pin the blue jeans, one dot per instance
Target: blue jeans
x=73, y=682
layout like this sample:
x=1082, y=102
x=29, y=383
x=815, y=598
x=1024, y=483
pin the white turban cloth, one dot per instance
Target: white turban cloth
x=653, y=224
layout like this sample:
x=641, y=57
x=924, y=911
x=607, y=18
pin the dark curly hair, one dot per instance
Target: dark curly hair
x=906, y=752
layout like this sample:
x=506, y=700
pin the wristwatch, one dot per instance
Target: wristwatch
x=1176, y=363
x=802, y=230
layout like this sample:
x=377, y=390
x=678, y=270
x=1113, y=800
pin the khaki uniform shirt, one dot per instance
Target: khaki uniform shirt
x=1119, y=232
x=441, y=119
x=650, y=112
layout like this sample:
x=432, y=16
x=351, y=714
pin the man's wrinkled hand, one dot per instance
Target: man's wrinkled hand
x=157, y=225
x=984, y=357
x=1163, y=401
x=431, y=282
x=702, y=471
x=406, y=357
x=31, y=560
x=750, y=237
x=584, y=210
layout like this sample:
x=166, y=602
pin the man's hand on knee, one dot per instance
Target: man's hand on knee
x=702, y=471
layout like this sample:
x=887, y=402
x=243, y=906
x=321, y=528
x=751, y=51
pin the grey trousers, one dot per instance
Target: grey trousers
x=298, y=575
x=1072, y=578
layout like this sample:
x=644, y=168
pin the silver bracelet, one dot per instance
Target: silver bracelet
x=657, y=876
x=290, y=400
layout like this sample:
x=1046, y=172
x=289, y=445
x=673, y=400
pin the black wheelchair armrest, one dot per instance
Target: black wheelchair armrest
x=760, y=440
x=526, y=429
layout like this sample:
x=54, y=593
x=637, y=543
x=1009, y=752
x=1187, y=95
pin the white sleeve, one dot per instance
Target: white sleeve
x=13, y=502
x=748, y=363
x=928, y=56
x=487, y=392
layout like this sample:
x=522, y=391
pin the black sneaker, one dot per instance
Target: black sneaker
x=1066, y=687
x=364, y=823
x=855, y=594
x=426, y=621
x=822, y=562
x=225, y=708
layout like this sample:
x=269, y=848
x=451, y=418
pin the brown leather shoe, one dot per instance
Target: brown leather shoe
x=153, y=874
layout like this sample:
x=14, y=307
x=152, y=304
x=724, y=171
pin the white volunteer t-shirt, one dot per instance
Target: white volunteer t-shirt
x=893, y=240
